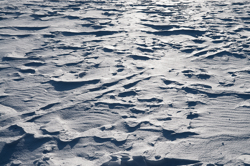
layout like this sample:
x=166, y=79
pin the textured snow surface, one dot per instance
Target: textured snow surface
x=124, y=82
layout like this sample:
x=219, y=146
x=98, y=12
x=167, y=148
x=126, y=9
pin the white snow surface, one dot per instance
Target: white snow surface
x=124, y=82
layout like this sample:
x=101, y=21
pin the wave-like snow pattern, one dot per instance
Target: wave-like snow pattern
x=129, y=83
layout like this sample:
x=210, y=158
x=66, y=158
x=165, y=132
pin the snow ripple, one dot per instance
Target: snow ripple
x=115, y=82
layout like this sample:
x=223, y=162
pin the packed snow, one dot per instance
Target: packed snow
x=124, y=82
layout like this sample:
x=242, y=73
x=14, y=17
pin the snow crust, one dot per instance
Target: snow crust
x=124, y=83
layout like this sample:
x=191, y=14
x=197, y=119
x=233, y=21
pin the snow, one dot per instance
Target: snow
x=130, y=83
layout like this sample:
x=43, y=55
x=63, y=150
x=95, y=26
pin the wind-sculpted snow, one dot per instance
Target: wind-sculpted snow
x=124, y=83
